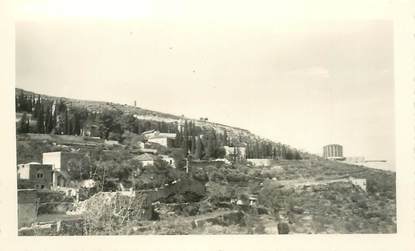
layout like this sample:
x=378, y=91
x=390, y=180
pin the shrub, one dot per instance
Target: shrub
x=199, y=174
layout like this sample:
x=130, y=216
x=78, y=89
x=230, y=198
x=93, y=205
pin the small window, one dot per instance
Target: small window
x=39, y=175
x=42, y=186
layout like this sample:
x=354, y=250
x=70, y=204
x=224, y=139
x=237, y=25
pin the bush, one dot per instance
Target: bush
x=179, y=157
x=218, y=192
x=236, y=176
x=199, y=174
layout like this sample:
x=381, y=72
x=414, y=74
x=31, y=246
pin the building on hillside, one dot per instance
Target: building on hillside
x=168, y=159
x=355, y=159
x=253, y=200
x=260, y=162
x=111, y=142
x=149, y=133
x=164, y=139
x=146, y=159
x=359, y=182
x=333, y=152
x=140, y=144
x=235, y=152
x=89, y=183
x=34, y=175
x=147, y=150
x=62, y=163
x=90, y=130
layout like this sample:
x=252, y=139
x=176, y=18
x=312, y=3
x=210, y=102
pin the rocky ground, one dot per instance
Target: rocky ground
x=201, y=202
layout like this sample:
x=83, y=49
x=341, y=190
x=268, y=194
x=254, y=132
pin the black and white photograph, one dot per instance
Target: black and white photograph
x=193, y=123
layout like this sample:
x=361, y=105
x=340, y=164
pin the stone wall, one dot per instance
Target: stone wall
x=27, y=207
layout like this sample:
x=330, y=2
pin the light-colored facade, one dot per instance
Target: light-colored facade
x=146, y=159
x=159, y=140
x=150, y=133
x=164, y=139
x=355, y=159
x=260, y=162
x=169, y=160
x=235, y=152
x=333, y=151
x=359, y=182
x=62, y=162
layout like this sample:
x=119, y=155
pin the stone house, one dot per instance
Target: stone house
x=34, y=175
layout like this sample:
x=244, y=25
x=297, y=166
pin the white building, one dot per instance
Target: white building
x=237, y=152
x=146, y=159
x=164, y=139
x=62, y=163
x=169, y=160
x=359, y=182
x=160, y=140
x=260, y=162
x=150, y=133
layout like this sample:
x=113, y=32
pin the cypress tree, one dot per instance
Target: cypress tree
x=193, y=146
x=23, y=124
x=198, y=148
x=66, y=122
x=40, y=120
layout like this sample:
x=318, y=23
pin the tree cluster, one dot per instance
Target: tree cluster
x=59, y=116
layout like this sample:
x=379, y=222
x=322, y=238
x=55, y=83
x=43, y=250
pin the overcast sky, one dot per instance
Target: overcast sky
x=306, y=83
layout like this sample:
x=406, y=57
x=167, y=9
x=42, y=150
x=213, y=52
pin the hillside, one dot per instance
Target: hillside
x=78, y=116
x=140, y=113
x=206, y=191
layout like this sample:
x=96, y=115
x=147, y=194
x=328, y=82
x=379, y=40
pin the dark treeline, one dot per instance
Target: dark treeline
x=51, y=116
x=58, y=117
x=205, y=144
x=201, y=143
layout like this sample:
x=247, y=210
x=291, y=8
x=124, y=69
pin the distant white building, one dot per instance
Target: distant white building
x=164, y=139
x=89, y=183
x=140, y=145
x=62, y=163
x=169, y=160
x=260, y=162
x=333, y=152
x=355, y=159
x=111, y=142
x=161, y=140
x=148, y=150
x=237, y=152
x=146, y=159
x=150, y=133
x=359, y=182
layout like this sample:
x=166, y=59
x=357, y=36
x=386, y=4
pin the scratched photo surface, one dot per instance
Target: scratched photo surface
x=162, y=126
